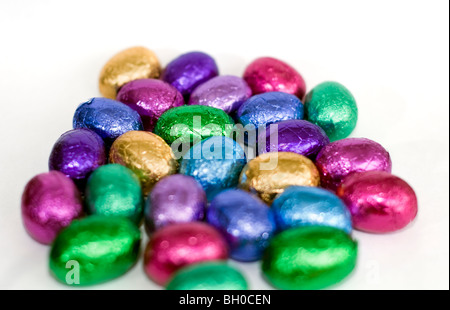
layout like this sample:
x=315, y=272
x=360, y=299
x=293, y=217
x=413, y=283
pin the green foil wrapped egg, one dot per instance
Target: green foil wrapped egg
x=309, y=257
x=332, y=107
x=94, y=250
x=114, y=190
x=188, y=125
x=208, y=276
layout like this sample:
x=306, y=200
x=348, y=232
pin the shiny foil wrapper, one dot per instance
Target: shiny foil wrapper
x=175, y=199
x=126, y=66
x=106, y=117
x=146, y=154
x=332, y=107
x=225, y=92
x=297, y=136
x=176, y=246
x=268, y=74
x=50, y=202
x=77, y=153
x=378, y=201
x=269, y=174
x=309, y=258
x=340, y=158
x=208, y=276
x=150, y=98
x=187, y=125
x=245, y=221
x=100, y=248
x=188, y=71
x=215, y=163
x=306, y=206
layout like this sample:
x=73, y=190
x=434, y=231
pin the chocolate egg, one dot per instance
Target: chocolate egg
x=176, y=198
x=150, y=98
x=77, y=153
x=245, y=221
x=114, y=190
x=50, y=202
x=225, y=92
x=106, y=117
x=269, y=174
x=332, y=107
x=208, y=276
x=215, y=163
x=188, y=125
x=176, y=246
x=378, y=201
x=310, y=257
x=94, y=250
x=126, y=66
x=340, y=158
x=268, y=74
x=189, y=70
x=306, y=206
x=297, y=136
x=146, y=154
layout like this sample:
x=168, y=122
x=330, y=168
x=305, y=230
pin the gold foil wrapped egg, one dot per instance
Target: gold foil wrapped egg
x=269, y=174
x=126, y=66
x=149, y=156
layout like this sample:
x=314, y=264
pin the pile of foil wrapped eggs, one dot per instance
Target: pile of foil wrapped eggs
x=215, y=167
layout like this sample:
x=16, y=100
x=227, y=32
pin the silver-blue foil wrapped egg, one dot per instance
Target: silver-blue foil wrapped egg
x=245, y=221
x=307, y=206
x=215, y=163
x=106, y=117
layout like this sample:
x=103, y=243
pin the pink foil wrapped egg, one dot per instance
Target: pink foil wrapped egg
x=150, y=98
x=340, y=158
x=268, y=74
x=379, y=202
x=179, y=245
x=50, y=202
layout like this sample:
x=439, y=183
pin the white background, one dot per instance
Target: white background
x=392, y=55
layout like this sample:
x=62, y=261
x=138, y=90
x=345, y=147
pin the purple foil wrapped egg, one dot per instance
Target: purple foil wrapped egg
x=150, y=98
x=77, y=153
x=297, y=136
x=379, y=202
x=268, y=74
x=50, y=202
x=340, y=158
x=189, y=70
x=176, y=198
x=225, y=92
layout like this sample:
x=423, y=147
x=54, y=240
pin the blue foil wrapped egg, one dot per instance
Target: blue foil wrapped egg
x=307, y=206
x=267, y=108
x=245, y=221
x=215, y=163
x=106, y=117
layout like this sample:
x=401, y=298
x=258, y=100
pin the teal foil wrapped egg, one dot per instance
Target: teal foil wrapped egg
x=215, y=163
x=114, y=190
x=306, y=206
x=332, y=107
x=94, y=250
x=309, y=257
x=208, y=276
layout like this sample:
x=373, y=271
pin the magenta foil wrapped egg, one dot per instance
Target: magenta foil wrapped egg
x=50, y=202
x=175, y=199
x=189, y=70
x=176, y=246
x=150, y=98
x=379, y=202
x=225, y=92
x=268, y=74
x=340, y=158
x=297, y=136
